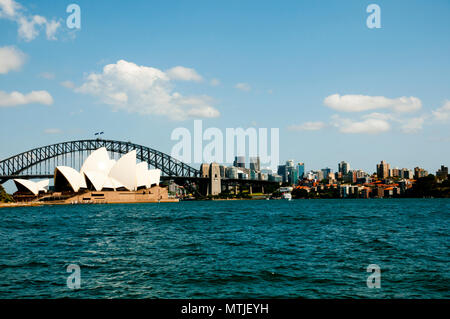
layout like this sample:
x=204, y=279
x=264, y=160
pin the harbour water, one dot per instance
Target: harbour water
x=228, y=249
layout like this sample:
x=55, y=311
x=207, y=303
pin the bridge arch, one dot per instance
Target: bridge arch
x=169, y=166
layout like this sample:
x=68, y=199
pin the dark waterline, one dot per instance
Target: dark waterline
x=228, y=249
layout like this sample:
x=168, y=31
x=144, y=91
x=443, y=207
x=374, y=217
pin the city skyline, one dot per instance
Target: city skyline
x=382, y=94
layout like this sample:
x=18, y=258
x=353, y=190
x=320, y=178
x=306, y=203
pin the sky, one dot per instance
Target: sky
x=335, y=88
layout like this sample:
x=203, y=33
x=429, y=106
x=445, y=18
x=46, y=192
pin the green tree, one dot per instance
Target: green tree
x=4, y=196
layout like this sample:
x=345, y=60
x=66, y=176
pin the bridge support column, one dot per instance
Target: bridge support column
x=215, y=182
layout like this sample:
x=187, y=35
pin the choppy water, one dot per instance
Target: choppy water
x=254, y=249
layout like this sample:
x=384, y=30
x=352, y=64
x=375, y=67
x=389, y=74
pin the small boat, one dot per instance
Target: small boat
x=287, y=196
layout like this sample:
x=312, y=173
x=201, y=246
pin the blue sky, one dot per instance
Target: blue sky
x=336, y=89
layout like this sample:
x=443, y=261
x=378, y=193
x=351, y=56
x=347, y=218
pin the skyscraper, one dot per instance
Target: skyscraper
x=343, y=167
x=239, y=161
x=383, y=170
x=301, y=170
x=255, y=164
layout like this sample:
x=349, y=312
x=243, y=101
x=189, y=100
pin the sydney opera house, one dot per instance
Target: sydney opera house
x=100, y=180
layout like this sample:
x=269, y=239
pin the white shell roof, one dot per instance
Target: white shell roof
x=154, y=176
x=75, y=179
x=142, y=175
x=124, y=171
x=98, y=161
x=34, y=187
x=103, y=172
x=97, y=179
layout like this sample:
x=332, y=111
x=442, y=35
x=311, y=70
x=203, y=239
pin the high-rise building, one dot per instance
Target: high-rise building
x=407, y=173
x=383, y=170
x=419, y=173
x=231, y=172
x=255, y=164
x=326, y=171
x=442, y=174
x=396, y=172
x=239, y=161
x=282, y=172
x=343, y=167
x=300, y=170
x=290, y=163
x=292, y=175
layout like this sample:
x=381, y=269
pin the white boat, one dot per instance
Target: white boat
x=287, y=196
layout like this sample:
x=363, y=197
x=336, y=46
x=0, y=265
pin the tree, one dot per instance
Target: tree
x=4, y=196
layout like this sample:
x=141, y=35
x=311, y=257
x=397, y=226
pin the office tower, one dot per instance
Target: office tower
x=343, y=167
x=301, y=170
x=290, y=163
x=239, y=161
x=326, y=171
x=419, y=173
x=282, y=172
x=442, y=174
x=255, y=164
x=383, y=170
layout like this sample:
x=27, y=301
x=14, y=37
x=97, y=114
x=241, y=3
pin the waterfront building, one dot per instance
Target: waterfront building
x=326, y=172
x=343, y=167
x=255, y=164
x=275, y=178
x=396, y=172
x=320, y=175
x=419, y=173
x=383, y=170
x=442, y=173
x=242, y=175
x=300, y=170
x=407, y=173
x=292, y=175
x=282, y=172
x=350, y=177
x=232, y=172
x=239, y=161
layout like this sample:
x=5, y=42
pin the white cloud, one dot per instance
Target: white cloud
x=29, y=26
x=68, y=84
x=11, y=59
x=52, y=131
x=183, y=74
x=16, y=98
x=359, y=103
x=243, y=86
x=442, y=113
x=412, y=125
x=368, y=126
x=145, y=90
x=307, y=126
x=9, y=8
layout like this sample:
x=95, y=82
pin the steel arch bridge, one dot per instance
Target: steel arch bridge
x=61, y=153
